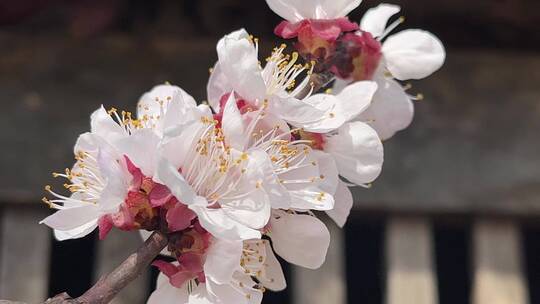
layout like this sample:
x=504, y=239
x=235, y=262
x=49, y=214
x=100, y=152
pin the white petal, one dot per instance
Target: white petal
x=112, y=169
x=358, y=152
x=328, y=171
x=297, y=10
x=169, y=176
x=375, y=19
x=303, y=170
x=339, y=85
x=284, y=10
x=311, y=198
x=200, y=296
x=274, y=279
x=157, y=102
x=300, y=239
x=238, y=61
x=303, y=181
x=315, y=114
x=222, y=260
x=72, y=218
x=343, y=205
x=227, y=294
x=103, y=125
x=343, y=7
x=141, y=148
x=85, y=142
x=355, y=98
x=391, y=109
x=179, y=142
x=233, y=124
x=76, y=233
x=165, y=293
x=253, y=210
x=222, y=226
x=178, y=111
x=413, y=54
x=218, y=85
x=249, y=201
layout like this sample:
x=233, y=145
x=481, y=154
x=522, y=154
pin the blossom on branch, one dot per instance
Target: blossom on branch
x=227, y=185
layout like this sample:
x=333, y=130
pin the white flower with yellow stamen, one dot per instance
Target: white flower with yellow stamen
x=230, y=268
x=276, y=85
x=409, y=54
x=98, y=182
x=295, y=166
x=230, y=189
x=324, y=120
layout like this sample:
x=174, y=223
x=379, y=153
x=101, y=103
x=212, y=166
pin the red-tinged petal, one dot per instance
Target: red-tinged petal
x=181, y=277
x=179, y=217
x=201, y=277
x=159, y=195
x=328, y=31
x=105, y=225
x=166, y=268
x=197, y=226
x=135, y=172
x=346, y=25
x=287, y=30
x=223, y=100
x=123, y=219
x=191, y=262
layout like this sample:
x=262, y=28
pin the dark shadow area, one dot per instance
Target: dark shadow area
x=531, y=246
x=365, y=261
x=453, y=264
x=72, y=265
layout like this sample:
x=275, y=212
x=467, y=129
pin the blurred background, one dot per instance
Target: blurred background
x=454, y=217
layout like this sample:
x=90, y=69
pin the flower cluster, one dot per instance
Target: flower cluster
x=242, y=178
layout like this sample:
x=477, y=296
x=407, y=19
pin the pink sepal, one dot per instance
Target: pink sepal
x=328, y=30
x=105, y=225
x=159, y=195
x=179, y=217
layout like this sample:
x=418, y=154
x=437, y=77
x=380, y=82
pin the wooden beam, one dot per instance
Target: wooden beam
x=410, y=274
x=472, y=148
x=25, y=248
x=465, y=152
x=498, y=266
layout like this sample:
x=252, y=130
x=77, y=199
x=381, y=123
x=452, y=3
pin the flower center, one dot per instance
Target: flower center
x=359, y=56
x=189, y=248
x=282, y=70
x=211, y=169
x=316, y=140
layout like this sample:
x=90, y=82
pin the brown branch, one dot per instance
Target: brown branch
x=110, y=285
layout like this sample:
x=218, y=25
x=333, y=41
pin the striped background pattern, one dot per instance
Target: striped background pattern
x=374, y=260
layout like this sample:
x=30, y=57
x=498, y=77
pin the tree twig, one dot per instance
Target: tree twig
x=108, y=286
x=111, y=284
